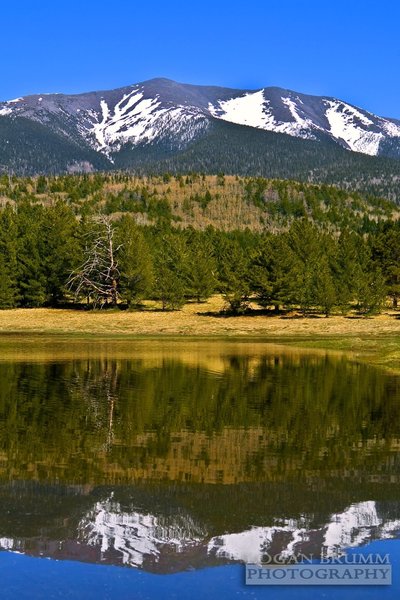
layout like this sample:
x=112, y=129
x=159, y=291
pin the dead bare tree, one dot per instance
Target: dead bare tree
x=97, y=278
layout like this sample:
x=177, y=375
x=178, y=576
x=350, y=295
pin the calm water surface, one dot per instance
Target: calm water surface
x=159, y=468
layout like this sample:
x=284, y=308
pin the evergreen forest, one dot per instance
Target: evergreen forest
x=114, y=240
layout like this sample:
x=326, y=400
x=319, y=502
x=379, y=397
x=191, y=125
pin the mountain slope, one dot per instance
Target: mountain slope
x=239, y=150
x=164, y=109
x=28, y=147
x=310, y=117
x=161, y=123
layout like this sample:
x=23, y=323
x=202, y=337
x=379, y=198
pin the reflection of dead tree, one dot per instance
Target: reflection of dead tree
x=110, y=381
x=97, y=384
x=111, y=402
x=98, y=277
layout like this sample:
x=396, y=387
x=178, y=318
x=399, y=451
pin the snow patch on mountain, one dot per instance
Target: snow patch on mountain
x=349, y=124
x=161, y=111
x=244, y=110
x=301, y=123
x=390, y=128
x=354, y=129
x=136, y=119
x=254, y=110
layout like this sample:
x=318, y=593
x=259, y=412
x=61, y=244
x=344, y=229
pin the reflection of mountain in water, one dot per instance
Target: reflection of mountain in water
x=108, y=533
x=136, y=537
x=356, y=525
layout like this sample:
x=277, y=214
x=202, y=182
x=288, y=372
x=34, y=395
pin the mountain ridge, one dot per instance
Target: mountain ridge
x=143, y=125
x=161, y=107
x=188, y=85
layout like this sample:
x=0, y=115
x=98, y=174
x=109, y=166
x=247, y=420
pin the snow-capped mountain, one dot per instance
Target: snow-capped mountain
x=155, y=111
x=162, y=126
x=309, y=117
x=164, y=111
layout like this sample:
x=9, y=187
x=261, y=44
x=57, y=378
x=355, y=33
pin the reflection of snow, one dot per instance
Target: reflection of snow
x=135, y=535
x=133, y=538
x=250, y=546
x=247, y=546
x=357, y=525
x=8, y=543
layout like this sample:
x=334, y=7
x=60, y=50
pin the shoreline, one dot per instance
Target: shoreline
x=375, y=340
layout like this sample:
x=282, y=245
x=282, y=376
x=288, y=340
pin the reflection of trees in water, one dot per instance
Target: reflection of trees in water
x=258, y=418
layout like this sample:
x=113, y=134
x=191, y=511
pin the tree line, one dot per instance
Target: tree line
x=48, y=257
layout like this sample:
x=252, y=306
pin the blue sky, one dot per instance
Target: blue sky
x=348, y=49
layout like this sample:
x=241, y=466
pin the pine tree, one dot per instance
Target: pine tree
x=234, y=274
x=303, y=250
x=201, y=267
x=348, y=271
x=170, y=270
x=8, y=258
x=325, y=289
x=135, y=262
x=269, y=272
x=60, y=248
x=386, y=254
x=30, y=264
x=368, y=283
x=8, y=289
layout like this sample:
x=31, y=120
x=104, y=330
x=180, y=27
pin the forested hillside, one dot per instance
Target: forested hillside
x=198, y=200
x=112, y=240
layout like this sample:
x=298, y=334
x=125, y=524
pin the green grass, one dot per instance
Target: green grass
x=380, y=351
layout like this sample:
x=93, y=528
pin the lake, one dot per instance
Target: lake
x=159, y=467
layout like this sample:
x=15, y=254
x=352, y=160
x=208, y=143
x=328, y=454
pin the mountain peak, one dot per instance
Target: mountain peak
x=175, y=115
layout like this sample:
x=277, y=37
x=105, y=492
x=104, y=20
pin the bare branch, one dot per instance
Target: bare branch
x=98, y=276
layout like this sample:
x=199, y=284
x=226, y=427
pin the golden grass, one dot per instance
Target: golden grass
x=192, y=320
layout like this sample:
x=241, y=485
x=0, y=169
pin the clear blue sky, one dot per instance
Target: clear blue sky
x=348, y=49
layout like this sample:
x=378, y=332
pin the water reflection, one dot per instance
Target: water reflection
x=166, y=462
x=166, y=532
